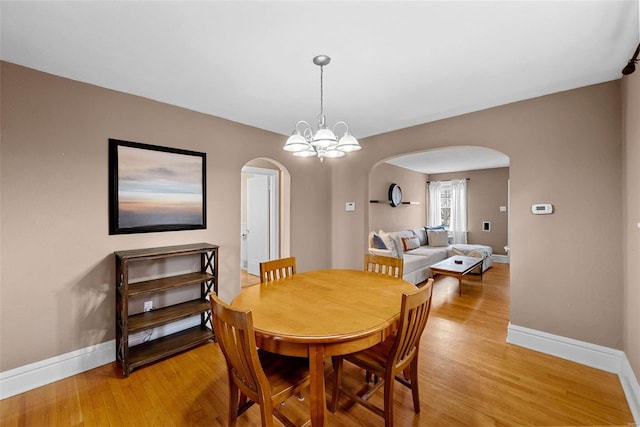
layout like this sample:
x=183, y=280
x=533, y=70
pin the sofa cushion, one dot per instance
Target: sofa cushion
x=413, y=262
x=438, y=237
x=403, y=233
x=409, y=243
x=430, y=252
x=422, y=235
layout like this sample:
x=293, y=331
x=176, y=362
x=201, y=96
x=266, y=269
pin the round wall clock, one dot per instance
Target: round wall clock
x=395, y=195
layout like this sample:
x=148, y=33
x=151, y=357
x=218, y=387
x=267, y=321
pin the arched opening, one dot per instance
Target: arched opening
x=486, y=172
x=265, y=216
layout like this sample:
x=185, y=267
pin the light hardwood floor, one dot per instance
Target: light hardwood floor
x=468, y=375
x=247, y=279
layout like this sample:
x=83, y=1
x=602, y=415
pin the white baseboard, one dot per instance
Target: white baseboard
x=503, y=259
x=28, y=377
x=595, y=356
x=33, y=375
x=631, y=389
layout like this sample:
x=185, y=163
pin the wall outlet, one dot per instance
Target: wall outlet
x=148, y=305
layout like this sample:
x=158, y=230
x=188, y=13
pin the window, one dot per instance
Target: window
x=448, y=206
x=445, y=204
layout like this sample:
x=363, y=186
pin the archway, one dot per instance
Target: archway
x=265, y=216
x=488, y=194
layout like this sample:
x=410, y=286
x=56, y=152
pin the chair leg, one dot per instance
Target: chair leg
x=266, y=413
x=337, y=381
x=233, y=403
x=388, y=400
x=413, y=373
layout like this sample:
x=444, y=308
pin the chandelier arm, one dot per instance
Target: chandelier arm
x=306, y=131
x=341, y=123
x=302, y=122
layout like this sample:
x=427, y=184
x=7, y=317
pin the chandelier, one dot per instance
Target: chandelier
x=304, y=142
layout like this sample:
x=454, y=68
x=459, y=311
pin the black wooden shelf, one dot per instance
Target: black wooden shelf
x=166, y=283
x=162, y=316
x=166, y=346
x=132, y=357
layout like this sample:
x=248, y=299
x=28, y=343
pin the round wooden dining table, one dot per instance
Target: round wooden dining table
x=323, y=313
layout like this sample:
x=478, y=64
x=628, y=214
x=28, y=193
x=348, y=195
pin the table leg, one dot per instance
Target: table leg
x=316, y=386
x=460, y=283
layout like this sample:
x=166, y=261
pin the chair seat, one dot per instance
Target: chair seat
x=284, y=373
x=374, y=358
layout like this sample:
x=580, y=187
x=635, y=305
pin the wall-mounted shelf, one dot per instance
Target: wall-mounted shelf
x=389, y=202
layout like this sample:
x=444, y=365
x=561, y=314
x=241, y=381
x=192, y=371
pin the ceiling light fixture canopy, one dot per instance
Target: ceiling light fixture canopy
x=304, y=142
x=631, y=65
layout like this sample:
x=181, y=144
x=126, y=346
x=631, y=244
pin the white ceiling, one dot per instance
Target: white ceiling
x=394, y=64
x=452, y=160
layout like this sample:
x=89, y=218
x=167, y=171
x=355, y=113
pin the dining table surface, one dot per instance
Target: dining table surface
x=323, y=313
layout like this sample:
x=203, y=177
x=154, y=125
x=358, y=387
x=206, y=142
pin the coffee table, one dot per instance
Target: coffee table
x=457, y=266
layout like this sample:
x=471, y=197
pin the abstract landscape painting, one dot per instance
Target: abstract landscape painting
x=156, y=188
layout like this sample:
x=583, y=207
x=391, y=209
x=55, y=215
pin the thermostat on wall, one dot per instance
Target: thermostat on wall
x=542, y=209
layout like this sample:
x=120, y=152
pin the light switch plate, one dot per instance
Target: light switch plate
x=350, y=206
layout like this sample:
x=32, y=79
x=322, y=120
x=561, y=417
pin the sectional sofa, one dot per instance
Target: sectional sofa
x=421, y=248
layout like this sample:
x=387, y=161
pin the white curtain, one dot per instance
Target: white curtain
x=458, y=226
x=434, y=204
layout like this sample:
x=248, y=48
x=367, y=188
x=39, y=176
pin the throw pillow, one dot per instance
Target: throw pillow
x=434, y=227
x=438, y=237
x=409, y=243
x=377, y=242
x=421, y=233
x=392, y=243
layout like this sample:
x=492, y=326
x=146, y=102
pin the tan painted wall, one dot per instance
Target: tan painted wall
x=631, y=217
x=403, y=217
x=487, y=190
x=565, y=149
x=56, y=272
x=57, y=279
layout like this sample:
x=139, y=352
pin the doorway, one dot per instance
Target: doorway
x=260, y=222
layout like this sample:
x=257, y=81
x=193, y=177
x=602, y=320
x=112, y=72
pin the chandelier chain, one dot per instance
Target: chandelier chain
x=321, y=94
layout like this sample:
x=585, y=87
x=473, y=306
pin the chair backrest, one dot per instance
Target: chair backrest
x=236, y=337
x=277, y=269
x=387, y=265
x=413, y=318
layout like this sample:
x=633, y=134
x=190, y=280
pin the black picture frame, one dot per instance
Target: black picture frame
x=154, y=188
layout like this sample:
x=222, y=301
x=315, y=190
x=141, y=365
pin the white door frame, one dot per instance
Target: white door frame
x=274, y=211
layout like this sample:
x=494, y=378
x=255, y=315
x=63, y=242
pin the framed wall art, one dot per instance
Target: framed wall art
x=154, y=188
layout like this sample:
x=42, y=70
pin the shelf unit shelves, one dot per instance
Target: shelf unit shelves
x=133, y=357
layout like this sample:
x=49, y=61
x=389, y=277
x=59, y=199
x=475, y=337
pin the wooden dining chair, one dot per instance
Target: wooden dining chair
x=277, y=269
x=394, y=359
x=255, y=376
x=383, y=264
